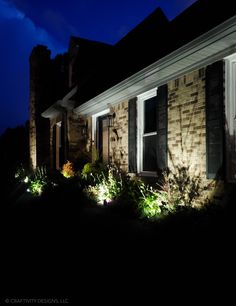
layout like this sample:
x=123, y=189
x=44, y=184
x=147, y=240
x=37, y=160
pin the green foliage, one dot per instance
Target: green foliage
x=108, y=185
x=36, y=186
x=148, y=204
x=173, y=192
x=153, y=202
x=131, y=194
x=91, y=171
x=38, y=181
x=35, y=181
x=87, y=170
x=81, y=159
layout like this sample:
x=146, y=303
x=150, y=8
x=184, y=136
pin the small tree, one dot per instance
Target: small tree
x=68, y=170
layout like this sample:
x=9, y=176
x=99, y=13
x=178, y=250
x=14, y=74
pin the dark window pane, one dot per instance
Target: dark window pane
x=150, y=115
x=149, y=153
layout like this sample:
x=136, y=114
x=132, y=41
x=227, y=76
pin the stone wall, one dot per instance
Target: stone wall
x=40, y=99
x=53, y=122
x=48, y=83
x=32, y=137
x=77, y=136
x=119, y=136
x=90, y=143
x=186, y=126
x=186, y=122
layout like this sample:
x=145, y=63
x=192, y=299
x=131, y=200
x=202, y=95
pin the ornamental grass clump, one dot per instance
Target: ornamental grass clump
x=180, y=188
x=153, y=203
x=38, y=181
x=175, y=191
x=108, y=185
x=148, y=204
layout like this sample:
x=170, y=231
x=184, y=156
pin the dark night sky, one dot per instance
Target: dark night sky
x=26, y=23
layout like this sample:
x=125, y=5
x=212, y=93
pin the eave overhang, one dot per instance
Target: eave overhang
x=66, y=104
x=206, y=49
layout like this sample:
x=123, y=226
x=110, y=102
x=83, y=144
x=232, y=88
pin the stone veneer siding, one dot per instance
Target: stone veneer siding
x=186, y=125
x=40, y=99
x=186, y=122
x=52, y=123
x=76, y=138
x=119, y=136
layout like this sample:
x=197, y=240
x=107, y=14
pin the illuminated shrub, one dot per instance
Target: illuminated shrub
x=91, y=171
x=173, y=192
x=148, y=205
x=180, y=188
x=108, y=185
x=21, y=174
x=152, y=202
x=68, y=170
x=36, y=186
x=38, y=181
x=35, y=181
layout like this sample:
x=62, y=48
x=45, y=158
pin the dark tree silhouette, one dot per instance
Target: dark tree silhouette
x=14, y=152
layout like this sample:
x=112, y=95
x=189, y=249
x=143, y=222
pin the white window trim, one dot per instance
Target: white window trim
x=140, y=113
x=59, y=124
x=94, y=123
x=230, y=110
x=230, y=92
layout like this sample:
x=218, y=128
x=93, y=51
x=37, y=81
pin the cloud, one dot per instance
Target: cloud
x=53, y=15
x=24, y=26
x=8, y=11
x=57, y=23
x=18, y=35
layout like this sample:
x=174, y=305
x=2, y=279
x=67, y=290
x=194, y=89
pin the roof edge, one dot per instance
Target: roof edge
x=146, y=75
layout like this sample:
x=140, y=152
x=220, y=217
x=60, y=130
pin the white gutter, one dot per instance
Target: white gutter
x=61, y=105
x=66, y=102
x=206, y=49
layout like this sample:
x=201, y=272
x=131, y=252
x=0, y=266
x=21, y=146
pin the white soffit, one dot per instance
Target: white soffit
x=206, y=49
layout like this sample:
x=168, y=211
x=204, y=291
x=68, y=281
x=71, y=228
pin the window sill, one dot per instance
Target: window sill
x=148, y=174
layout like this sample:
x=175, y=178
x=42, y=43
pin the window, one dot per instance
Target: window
x=102, y=138
x=147, y=132
x=100, y=134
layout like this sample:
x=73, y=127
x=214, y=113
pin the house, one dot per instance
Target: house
x=163, y=96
